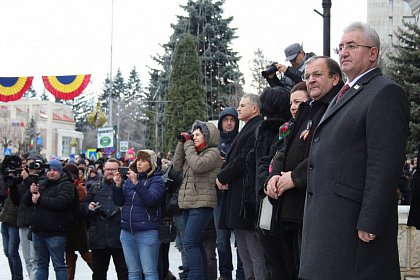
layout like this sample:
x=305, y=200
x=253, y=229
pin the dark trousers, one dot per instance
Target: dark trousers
x=291, y=238
x=273, y=255
x=100, y=263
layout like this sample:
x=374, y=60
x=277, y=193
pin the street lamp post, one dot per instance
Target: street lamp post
x=326, y=5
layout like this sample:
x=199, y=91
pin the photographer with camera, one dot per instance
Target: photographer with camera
x=104, y=225
x=198, y=157
x=32, y=170
x=51, y=219
x=8, y=219
x=290, y=75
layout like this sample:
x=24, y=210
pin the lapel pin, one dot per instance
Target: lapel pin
x=356, y=87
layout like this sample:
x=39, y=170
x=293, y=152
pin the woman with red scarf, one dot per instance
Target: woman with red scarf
x=198, y=157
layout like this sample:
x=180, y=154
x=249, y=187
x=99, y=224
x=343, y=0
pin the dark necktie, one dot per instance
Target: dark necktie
x=342, y=91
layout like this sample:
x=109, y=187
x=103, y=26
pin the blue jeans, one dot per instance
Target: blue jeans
x=179, y=223
x=46, y=247
x=141, y=253
x=10, y=236
x=223, y=242
x=195, y=221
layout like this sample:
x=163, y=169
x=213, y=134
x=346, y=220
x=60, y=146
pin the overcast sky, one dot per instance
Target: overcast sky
x=57, y=37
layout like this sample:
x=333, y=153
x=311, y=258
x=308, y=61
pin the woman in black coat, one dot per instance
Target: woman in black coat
x=275, y=110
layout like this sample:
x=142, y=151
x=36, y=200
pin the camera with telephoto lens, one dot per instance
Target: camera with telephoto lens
x=270, y=70
x=11, y=169
x=37, y=165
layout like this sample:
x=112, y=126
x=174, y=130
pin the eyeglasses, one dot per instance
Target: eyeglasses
x=111, y=169
x=315, y=75
x=350, y=48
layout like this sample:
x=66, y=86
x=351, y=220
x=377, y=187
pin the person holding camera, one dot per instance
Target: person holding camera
x=51, y=219
x=140, y=196
x=291, y=74
x=33, y=169
x=10, y=237
x=198, y=157
x=104, y=225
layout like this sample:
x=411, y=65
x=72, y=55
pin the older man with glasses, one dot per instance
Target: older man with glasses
x=104, y=229
x=357, y=153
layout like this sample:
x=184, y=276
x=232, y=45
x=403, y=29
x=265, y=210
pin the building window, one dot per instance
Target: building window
x=66, y=149
x=409, y=19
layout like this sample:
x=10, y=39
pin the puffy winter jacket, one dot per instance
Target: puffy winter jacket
x=140, y=202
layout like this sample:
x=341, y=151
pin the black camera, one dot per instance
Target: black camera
x=11, y=165
x=123, y=171
x=270, y=70
x=37, y=165
x=11, y=169
x=181, y=137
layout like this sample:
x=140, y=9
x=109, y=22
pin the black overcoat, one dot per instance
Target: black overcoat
x=232, y=213
x=356, y=158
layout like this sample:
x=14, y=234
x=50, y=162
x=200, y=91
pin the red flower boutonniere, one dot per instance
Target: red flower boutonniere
x=285, y=129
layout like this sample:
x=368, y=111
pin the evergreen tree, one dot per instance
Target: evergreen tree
x=404, y=68
x=117, y=91
x=259, y=63
x=133, y=87
x=44, y=95
x=152, y=112
x=186, y=96
x=30, y=93
x=82, y=105
x=221, y=76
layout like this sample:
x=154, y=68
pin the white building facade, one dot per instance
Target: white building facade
x=54, y=121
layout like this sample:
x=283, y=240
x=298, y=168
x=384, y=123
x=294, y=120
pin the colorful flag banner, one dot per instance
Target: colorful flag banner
x=13, y=88
x=66, y=87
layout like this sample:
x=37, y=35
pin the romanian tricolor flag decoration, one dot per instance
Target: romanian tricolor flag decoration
x=12, y=88
x=66, y=87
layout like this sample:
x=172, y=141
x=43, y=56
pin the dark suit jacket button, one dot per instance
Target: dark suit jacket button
x=310, y=194
x=311, y=166
x=316, y=139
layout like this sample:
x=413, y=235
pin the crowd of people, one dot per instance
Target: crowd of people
x=326, y=153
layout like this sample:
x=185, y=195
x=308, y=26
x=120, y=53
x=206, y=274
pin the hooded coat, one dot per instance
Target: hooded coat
x=199, y=169
x=226, y=138
x=233, y=173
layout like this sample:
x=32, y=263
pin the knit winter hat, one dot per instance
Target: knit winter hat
x=56, y=165
x=35, y=156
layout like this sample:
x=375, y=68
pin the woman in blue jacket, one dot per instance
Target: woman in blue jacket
x=141, y=196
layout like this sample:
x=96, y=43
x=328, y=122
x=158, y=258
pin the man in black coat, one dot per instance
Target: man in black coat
x=51, y=219
x=231, y=178
x=357, y=153
x=104, y=225
x=32, y=170
x=287, y=183
x=228, y=126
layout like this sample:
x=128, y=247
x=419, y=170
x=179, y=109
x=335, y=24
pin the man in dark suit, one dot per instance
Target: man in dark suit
x=357, y=152
x=231, y=179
